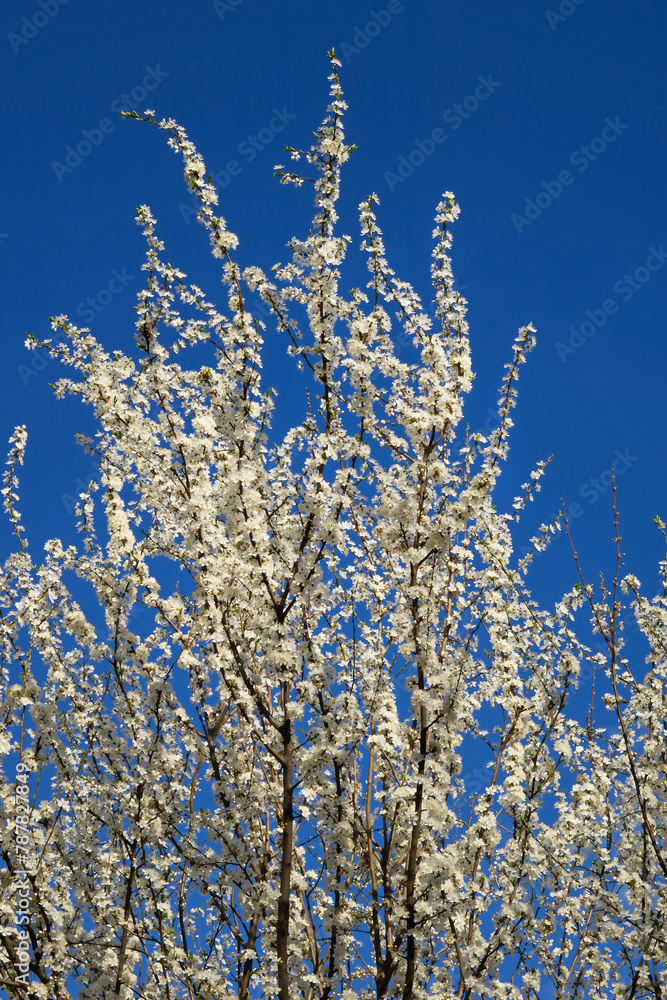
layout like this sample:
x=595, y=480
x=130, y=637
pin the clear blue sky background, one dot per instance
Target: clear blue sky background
x=556, y=77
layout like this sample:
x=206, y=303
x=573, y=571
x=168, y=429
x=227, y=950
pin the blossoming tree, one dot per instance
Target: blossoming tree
x=246, y=765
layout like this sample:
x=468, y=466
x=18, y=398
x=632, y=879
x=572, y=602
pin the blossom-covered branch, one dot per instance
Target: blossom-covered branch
x=255, y=697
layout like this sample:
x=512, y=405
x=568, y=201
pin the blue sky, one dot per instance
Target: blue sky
x=548, y=123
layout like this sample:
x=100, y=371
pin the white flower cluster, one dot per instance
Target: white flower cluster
x=259, y=697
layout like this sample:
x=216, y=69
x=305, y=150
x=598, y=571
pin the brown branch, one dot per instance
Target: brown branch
x=283, y=926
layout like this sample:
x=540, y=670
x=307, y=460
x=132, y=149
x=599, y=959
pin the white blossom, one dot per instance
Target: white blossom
x=294, y=724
